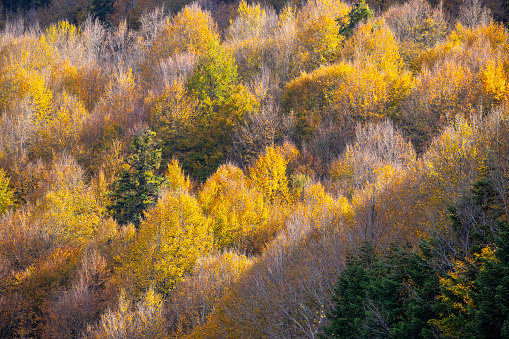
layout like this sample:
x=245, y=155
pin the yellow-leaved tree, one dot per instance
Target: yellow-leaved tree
x=173, y=116
x=378, y=81
x=62, y=128
x=174, y=178
x=317, y=33
x=192, y=30
x=170, y=240
x=269, y=175
x=18, y=82
x=6, y=194
x=318, y=88
x=448, y=169
x=70, y=212
x=238, y=211
x=494, y=81
x=249, y=37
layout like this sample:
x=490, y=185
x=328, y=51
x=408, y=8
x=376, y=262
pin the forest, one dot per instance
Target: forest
x=232, y=169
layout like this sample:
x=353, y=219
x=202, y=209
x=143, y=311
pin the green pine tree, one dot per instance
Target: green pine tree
x=388, y=296
x=137, y=187
x=490, y=316
x=102, y=9
x=359, y=12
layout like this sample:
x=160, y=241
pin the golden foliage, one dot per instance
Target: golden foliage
x=450, y=167
x=70, y=213
x=18, y=82
x=6, y=193
x=173, y=114
x=84, y=93
x=417, y=26
x=268, y=173
x=368, y=94
x=61, y=33
x=317, y=32
x=368, y=85
x=192, y=30
x=142, y=319
x=175, y=179
x=317, y=87
x=174, y=234
x=87, y=82
x=238, y=211
x=493, y=79
x=251, y=22
x=62, y=129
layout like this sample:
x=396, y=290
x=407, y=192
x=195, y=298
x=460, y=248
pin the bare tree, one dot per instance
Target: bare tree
x=472, y=13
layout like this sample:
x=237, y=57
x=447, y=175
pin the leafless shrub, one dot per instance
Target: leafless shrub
x=119, y=114
x=22, y=240
x=417, y=26
x=73, y=309
x=376, y=146
x=324, y=146
x=123, y=51
x=472, y=13
x=152, y=23
x=65, y=174
x=132, y=320
x=280, y=56
x=93, y=38
x=492, y=134
x=384, y=142
x=406, y=22
x=17, y=128
x=260, y=25
x=173, y=69
x=195, y=299
x=14, y=28
x=385, y=213
x=260, y=129
x=13, y=310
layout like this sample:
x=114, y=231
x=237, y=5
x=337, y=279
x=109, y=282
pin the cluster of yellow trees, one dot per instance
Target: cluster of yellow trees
x=284, y=147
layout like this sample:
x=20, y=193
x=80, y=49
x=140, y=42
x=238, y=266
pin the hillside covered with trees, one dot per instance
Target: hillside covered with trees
x=228, y=169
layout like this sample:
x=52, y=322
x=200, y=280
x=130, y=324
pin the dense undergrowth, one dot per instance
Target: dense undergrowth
x=184, y=176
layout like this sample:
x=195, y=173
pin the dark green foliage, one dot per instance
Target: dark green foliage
x=102, y=9
x=23, y=5
x=383, y=297
x=474, y=219
x=347, y=315
x=359, y=12
x=137, y=187
x=454, y=287
x=490, y=319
